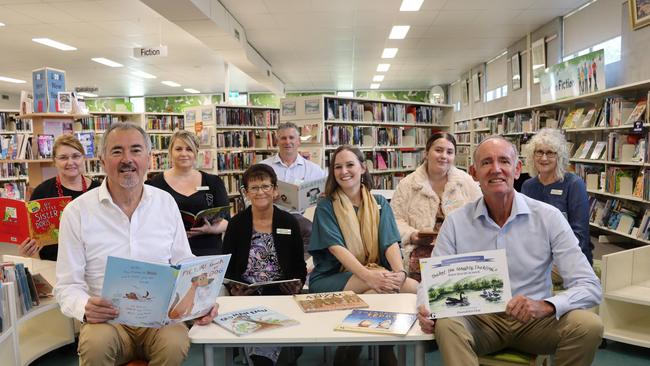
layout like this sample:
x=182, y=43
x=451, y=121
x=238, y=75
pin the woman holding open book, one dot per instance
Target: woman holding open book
x=68, y=156
x=355, y=241
x=194, y=191
x=551, y=183
x=265, y=245
x=423, y=199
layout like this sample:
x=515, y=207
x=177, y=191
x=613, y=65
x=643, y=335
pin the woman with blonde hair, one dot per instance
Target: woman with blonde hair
x=425, y=197
x=68, y=156
x=194, y=191
x=551, y=183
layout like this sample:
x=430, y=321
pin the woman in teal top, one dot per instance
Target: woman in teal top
x=355, y=241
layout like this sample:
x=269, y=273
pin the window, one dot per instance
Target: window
x=612, y=49
x=345, y=94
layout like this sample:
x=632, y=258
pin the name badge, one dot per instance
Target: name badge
x=556, y=192
x=202, y=188
x=283, y=231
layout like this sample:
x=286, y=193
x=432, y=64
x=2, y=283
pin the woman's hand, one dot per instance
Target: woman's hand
x=383, y=282
x=239, y=290
x=417, y=239
x=206, y=228
x=28, y=248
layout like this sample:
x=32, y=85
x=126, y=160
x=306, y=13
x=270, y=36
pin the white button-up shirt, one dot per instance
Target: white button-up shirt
x=94, y=227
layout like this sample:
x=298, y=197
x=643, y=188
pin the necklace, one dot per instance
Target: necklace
x=59, y=187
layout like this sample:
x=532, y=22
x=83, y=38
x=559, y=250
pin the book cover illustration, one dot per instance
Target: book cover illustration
x=466, y=284
x=372, y=321
x=38, y=219
x=45, y=144
x=291, y=282
x=328, y=301
x=302, y=195
x=257, y=319
x=87, y=140
x=191, y=220
x=155, y=294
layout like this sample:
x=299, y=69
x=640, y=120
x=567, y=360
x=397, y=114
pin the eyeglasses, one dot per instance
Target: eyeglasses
x=263, y=188
x=74, y=157
x=549, y=154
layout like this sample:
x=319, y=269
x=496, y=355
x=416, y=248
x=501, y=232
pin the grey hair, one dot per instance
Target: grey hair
x=190, y=139
x=553, y=138
x=287, y=125
x=495, y=137
x=124, y=126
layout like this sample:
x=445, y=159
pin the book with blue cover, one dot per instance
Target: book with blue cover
x=156, y=294
x=374, y=321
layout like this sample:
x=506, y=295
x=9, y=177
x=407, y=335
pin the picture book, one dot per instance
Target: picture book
x=599, y=150
x=372, y=321
x=637, y=113
x=256, y=285
x=585, y=149
x=38, y=219
x=87, y=140
x=302, y=195
x=45, y=143
x=257, y=319
x=210, y=214
x=328, y=301
x=466, y=284
x=155, y=294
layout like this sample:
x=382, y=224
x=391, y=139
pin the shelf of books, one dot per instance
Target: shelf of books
x=231, y=139
x=391, y=134
x=32, y=323
x=14, y=155
x=608, y=144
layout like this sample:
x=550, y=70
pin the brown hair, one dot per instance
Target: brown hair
x=440, y=135
x=67, y=140
x=259, y=172
x=331, y=185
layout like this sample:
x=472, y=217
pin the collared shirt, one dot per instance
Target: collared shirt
x=302, y=170
x=94, y=227
x=535, y=237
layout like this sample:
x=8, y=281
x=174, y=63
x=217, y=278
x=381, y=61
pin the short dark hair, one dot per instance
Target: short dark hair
x=440, y=135
x=259, y=172
x=331, y=185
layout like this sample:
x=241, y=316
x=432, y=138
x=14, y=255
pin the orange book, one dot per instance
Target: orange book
x=38, y=219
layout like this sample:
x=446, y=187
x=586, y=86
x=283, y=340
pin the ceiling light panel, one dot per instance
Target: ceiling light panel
x=88, y=95
x=383, y=67
x=12, y=80
x=378, y=78
x=171, y=83
x=411, y=5
x=107, y=62
x=389, y=53
x=192, y=91
x=54, y=44
x=374, y=86
x=399, y=31
x=2, y=24
x=143, y=74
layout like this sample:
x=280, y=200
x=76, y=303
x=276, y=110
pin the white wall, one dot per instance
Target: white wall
x=12, y=103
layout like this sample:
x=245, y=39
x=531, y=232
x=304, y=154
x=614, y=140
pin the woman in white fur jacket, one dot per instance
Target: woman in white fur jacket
x=423, y=199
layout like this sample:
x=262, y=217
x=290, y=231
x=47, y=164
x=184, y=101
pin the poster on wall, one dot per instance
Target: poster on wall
x=639, y=13
x=515, y=66
x=289, y=108
x=578, y=76
x=476, y=87
x=538, y=50
x=464, y=91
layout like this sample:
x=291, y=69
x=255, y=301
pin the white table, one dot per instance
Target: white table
x=315, y=329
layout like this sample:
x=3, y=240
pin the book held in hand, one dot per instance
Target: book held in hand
x=300, y=196
x=257, y=319
x=156, y=294
x=372, y=321
x=466, y=284
x=256, y=285
x=329, y=301
x=191, y=220
x=38, y=219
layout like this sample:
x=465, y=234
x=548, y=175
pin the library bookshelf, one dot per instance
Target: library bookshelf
x=25, y=337
x=231, y=139
x=392, y=134
x=609, y=124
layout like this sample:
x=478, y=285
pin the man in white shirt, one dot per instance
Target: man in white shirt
x=124, y=218
x=292, y=168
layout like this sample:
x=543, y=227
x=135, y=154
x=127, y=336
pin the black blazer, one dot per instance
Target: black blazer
x=289, y=248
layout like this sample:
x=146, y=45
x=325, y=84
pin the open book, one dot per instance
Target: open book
x=292, y=281
x=300, y=196
x=38, y=219
x=155, y=294
x=191, y=220
x=466, y=284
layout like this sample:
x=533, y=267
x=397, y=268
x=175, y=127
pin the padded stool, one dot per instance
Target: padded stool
x=508, y=357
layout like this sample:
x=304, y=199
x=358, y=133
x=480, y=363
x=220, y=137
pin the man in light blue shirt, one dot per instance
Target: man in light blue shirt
x=292, y=168
x=535, y=236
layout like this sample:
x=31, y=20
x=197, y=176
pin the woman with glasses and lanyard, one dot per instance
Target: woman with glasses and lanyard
x=551, y=183
x=265, y=245
x=68, y=154
x=194, y=191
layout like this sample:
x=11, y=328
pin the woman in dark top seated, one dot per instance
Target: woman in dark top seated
x=193, y=191
x=265, y=245
x=68, y=156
